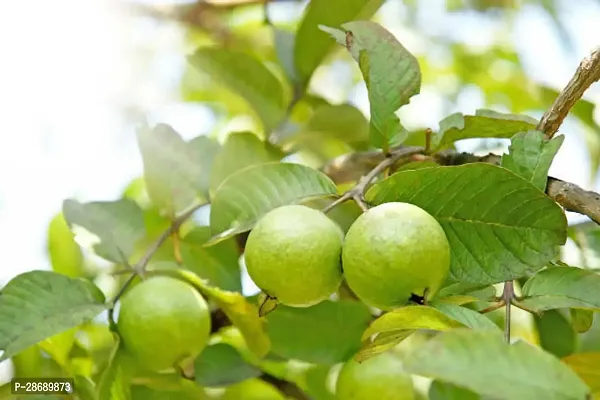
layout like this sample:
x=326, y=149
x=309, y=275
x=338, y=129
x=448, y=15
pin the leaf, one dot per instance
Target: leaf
x=391, y=73
x=484, y=124
x=173, y=168
x=241, y=150
x=326, y=333
x=500, y=227
x=220, y=365
x=285, y=42
x=247, y=195
x=218, y=264
x=382, y=343
x=248, y=77
x=562, y=287
x=555, y=333
x=411, y=318
x=118, y=224
x=59, y=346
x=317, y=378
x=581, y=320
x=344, y=122
x=447, y=391
x=482, y=362
x=114, y=383
x=202, y=152
x=311, y=45
x=466, y=316
x=65, y=254
x=37, y=305
x=585, y=366
x=530, y=156
x=240, y=312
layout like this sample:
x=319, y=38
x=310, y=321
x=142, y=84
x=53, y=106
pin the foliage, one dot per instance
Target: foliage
x=501, y=226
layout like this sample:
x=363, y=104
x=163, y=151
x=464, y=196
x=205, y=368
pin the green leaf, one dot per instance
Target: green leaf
x=530, y=156
x=317, y=381
x=249, y=78
x=391, y=73
x=202, y=151
x=555, y=333
x=311, y=45
x=218, y=264
x=65, y=254
x=114, y=384
x=466, y=316
x=59, y=346
x=173, y=168
x=484, y=124
x=241, y=150
x=327, y=333
x=247, y=195
x=86, y=388
x=344, y=122
x=285, y=42
x=37, y=305
x=447, y=391
x=118, y=224
x=581, y=320
x=500, y=227
x=382, y=343
x=411, y=318
x=220, y=365
x=585, y=366
x=240, y=312
x=482, y=362
x=562, y=287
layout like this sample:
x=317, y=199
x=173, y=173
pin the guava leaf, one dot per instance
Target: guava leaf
x=382, y=343
x=114, y=383
x=482, y=362
x=499, y=226
x=581, y=320
x=562, y=287
x=118, y=224
x=37, y=305
x=65, y=254
x=218, y=264
x=59, y=346
x=202, y=151
x=466, y=316
x=312, y=46
x=247, y=195
x=247, y=76
x=240, y=312
x=284, y=43
x=585, y=366
x=220, y=364
x=530, y=155
x=241, y=150
x=555, y=333
x=484, y=124
x=326, y=333
x=391, y=73
x=439, y=390
x=343, y=121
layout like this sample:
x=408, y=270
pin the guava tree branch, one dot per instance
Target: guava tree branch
x=586, y=74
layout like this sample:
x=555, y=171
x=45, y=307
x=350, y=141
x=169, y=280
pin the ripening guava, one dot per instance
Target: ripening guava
x=392, y=251
x=163, y=322
x=294, y=255
x=381, y=377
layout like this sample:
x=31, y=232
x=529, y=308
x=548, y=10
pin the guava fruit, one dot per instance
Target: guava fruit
x=163, y=322
x=393, y=251
x=381, y=377
x=293, y=254
x=252, y=389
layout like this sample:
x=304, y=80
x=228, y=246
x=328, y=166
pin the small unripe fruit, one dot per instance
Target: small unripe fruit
x=381, y=377
x=163, y=322
x=393, y=251
x=294, y=255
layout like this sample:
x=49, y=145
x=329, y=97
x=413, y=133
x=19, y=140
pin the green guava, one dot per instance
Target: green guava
x=163, y=322
x=393, y=251
x=381, y=377
x=294, y=255
x=252, y=389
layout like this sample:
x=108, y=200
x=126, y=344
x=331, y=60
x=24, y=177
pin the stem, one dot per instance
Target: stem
x=508, y=296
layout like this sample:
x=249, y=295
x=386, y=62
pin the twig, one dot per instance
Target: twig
x=573, y=198
x=357, y=193
x=586, y=74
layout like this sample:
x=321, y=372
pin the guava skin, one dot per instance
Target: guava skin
x=392, y=251
x=294, y=255
x=381, y=377
x=163, y=321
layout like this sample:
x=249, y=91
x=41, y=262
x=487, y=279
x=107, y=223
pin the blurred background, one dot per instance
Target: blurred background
x=76, y=75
